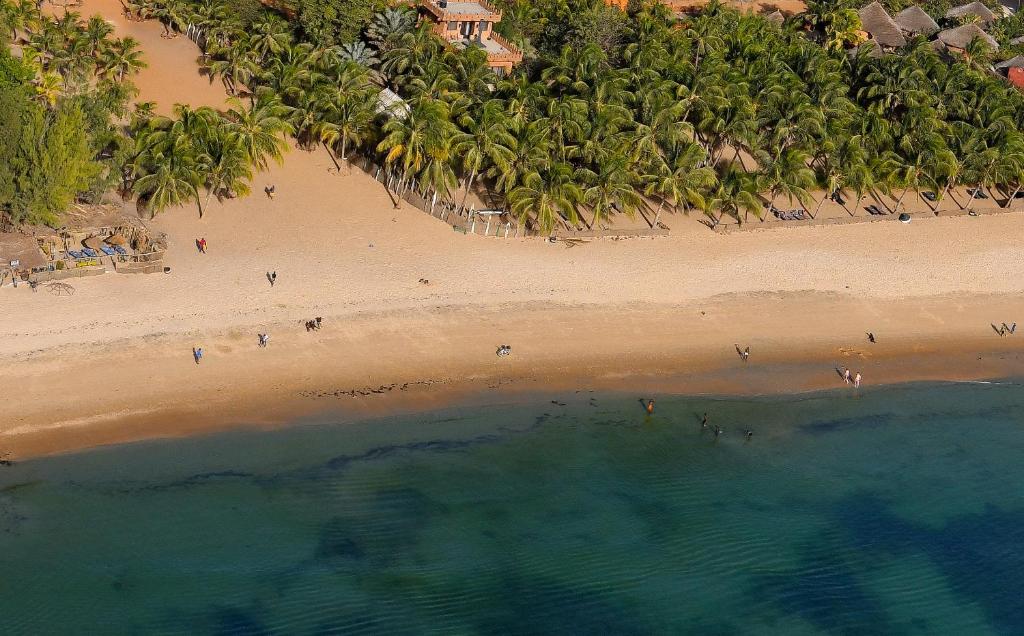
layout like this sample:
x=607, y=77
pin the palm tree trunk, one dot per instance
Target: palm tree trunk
x=900, y=200
x=469, y=186
x=860, y=199
x=344, y=144
x=1012, y=196
x=199, y=201
x=331, y=155
x=824, y=196
x=657, y=213
x=878, y=198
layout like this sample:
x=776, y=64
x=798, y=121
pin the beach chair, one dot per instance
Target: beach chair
x=91, y=253
x=120, y=250
x=929, y=195
x=109, y=251
x=976, y=193
x=76, y=255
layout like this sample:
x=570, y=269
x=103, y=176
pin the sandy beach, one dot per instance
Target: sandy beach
x=113, y=362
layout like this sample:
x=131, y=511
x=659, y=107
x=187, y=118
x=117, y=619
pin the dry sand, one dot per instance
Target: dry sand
x=113, y=362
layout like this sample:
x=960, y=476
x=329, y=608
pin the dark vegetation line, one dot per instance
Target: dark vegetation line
x=612, y=112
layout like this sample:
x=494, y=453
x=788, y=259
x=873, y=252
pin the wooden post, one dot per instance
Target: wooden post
x=488, y=228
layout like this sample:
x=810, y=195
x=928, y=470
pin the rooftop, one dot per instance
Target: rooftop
x=914, y=20
x=973, y=9
x=496, y=48
x=478, y=9
x=882, y=28
x=1013, y=62
x=961, y=36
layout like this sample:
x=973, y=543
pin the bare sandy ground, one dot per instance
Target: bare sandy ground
x=113, y=362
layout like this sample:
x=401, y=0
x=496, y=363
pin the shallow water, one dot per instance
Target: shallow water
x=899, y=511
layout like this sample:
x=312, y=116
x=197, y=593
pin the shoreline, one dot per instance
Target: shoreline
x=651, y=315
x=153, y=390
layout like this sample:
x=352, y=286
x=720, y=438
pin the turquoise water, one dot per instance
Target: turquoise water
x=900, y=511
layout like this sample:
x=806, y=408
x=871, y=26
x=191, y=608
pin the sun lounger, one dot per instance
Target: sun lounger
x=976, y=193
x=109, y=251
x=76, y=255
x=120, y=250
x=91, y=253
x=874, y=210
x=930, y=196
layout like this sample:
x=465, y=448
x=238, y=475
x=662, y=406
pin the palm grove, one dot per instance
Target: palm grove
x=613, y=113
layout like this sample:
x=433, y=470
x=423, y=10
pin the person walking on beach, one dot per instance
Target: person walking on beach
x=269, y=190
x=201, y=245
x=871, y=337
x=197, y=354
x=856, y=380
x=846, y=375
x=650, y=407
x=272, y=277
x=320, y=320
x=264, y=339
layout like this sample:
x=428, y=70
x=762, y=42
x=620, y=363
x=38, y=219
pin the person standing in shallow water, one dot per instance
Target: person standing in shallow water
x=856, y=380
x=650, y=407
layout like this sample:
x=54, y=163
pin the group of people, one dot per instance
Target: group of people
x=744, y=354
x=717, y=430
x=504, y=350
x=1005, y=329
x=847, y=379
x=314, y=324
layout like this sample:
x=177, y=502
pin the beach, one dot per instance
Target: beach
x=113, y=362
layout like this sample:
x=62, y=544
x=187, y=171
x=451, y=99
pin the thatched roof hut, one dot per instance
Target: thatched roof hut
x=914, y=20
x=983, y=13
x=775, y=17
x=880, y=26
x=961, y=36
x=23, y=249
x=1013, y=62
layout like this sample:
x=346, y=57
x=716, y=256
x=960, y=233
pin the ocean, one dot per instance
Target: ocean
x=896, y=510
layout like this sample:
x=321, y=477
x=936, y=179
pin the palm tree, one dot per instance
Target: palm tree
x=682, y=182
x=612, y=187
x=260, y=127
x=736, y=194
x=121, y=58
x=548, y=196
x=229, y=168
x=357, y=52
x=388, y=26
x=175, y=178
x=787, y=174
x=269, y=37
x=48, y=87
x=485, y=143
x=96, y=31
x=348, y=106
x=409, y=142
x=235, y=68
